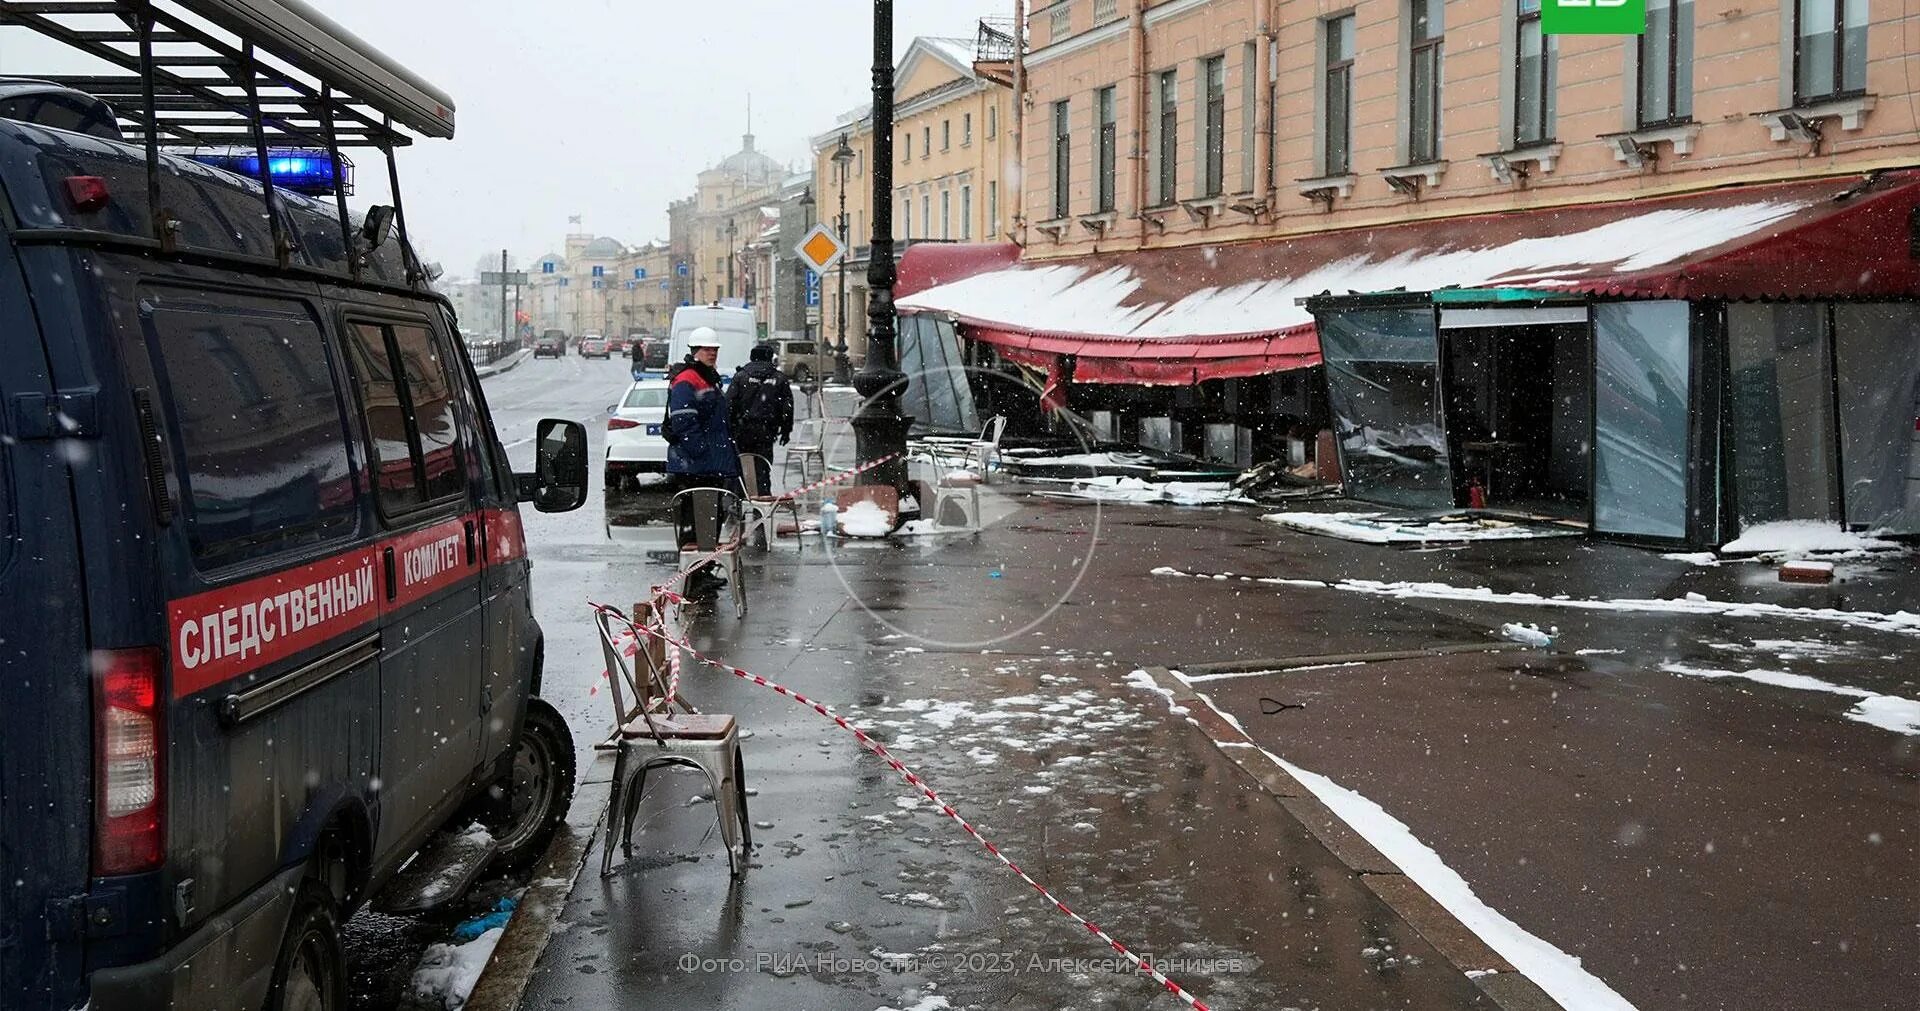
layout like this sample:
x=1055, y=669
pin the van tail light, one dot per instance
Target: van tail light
x=129, y=751
x=88, y=193
x=616, y=424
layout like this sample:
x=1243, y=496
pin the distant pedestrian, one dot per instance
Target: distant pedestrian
x=700, y=449
x=638, y=352
x=760, y=411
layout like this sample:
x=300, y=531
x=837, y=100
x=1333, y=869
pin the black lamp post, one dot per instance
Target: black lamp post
x=879, y=430
x=731, y=232
x=843, y=365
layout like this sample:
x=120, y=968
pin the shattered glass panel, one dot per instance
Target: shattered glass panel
x=1641, y=393
x=1383, y=386
x=1879, y=443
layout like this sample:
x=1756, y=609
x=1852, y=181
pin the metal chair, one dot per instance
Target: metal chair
x=648, y=734
x=962, y=488
x=701, y=529
x=762, y=511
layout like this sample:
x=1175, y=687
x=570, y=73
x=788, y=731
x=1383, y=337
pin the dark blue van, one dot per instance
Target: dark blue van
x=264, y=615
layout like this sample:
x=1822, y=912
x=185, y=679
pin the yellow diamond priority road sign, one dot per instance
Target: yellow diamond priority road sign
x=820, y=249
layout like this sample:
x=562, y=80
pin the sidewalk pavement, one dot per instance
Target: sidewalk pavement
x=1696, y=841
x=503, y=365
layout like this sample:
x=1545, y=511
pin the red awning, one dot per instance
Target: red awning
x=1182, y=314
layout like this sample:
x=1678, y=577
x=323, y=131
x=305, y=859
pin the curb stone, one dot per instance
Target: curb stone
x=1494, y=976
x=510, y=967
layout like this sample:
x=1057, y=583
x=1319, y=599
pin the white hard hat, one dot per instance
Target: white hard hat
x=703, y=337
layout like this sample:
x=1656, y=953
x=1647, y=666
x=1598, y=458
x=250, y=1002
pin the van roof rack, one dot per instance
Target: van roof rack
x=239, y=73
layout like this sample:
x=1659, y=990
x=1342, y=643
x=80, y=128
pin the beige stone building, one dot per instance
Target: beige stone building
x=600, y=285
x=1200, y=121
x=729, y=201
x=953, y=154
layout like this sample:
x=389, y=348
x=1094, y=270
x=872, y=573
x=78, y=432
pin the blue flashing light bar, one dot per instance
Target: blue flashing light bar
x=301, y=171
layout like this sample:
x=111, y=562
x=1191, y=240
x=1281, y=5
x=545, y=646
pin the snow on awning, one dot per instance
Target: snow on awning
x=1223, y=311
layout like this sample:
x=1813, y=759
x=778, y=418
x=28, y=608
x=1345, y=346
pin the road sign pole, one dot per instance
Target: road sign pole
x=503, y=296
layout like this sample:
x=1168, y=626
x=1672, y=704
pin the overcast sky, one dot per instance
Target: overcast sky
x=608, y=108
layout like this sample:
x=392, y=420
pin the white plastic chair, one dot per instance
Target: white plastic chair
x=986, y=450
x=648, y=734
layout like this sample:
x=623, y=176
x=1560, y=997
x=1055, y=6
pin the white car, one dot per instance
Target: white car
x=636, y=446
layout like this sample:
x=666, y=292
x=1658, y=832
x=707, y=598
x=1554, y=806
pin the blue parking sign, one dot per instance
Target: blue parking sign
x=639, y=273
x=546, y=267
x=599, y=271
x=681, y=268
x=813, y=289
x=664, y=285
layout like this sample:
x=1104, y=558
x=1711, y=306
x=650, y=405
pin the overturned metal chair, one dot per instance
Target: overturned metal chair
x=707, y=528
x=649, y=734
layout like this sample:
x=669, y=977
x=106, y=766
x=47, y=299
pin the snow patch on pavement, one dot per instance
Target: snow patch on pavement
x=1386, y=528
x=1804, y=537
x=1135, y=490
x=865, y=519
x=1888, y=712
x=447, y=972
x=1143, y=680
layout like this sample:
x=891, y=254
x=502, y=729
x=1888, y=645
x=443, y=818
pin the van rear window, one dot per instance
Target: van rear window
x=258, y=435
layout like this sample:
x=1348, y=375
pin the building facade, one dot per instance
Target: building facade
x=599, y=285
x=953, y=155
x=727, y=217
x=1180, y=122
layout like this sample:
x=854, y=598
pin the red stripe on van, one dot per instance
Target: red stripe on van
x=224, y=633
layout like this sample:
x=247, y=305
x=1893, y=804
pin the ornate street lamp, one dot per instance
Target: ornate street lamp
x=842, y=364
x=880, y=432
x=731, y=232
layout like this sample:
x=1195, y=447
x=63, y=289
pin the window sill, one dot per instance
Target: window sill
x=1421, y=175
x=1850, y=110
x=1054, y=228
x=1204, y=210
x=1541, y=156
x=1326, y=187
x=1099, y=224
x=1680, y=136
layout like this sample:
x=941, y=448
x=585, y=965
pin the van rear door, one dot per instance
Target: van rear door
x=46, y=687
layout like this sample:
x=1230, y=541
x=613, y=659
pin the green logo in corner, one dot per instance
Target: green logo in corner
x=1593, y=17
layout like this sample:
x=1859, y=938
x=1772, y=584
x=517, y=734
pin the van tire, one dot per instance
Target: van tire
x=531, y=803
x=310, y=973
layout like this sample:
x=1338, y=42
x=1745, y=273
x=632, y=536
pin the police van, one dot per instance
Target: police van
x=265, y=627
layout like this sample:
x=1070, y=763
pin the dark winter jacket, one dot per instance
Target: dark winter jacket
x=698, y=441
x=760, y=404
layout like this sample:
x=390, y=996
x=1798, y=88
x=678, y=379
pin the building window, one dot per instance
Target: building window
x=906, y=143
x=1060, y=23
x=993, y=209
x=946, y=214
x=993, y=121
x=1533, y=73
x=946, y=135
x=1105, y=11
x=906, y=218
x=966, y=130
x=966, y=213
x=926, y=216
x=1106, y=143
x=1062, y=153
x=1423, y=83
x=1214, y=138
x=1337, y=122
x=1169, y=136
x=1830, y=49
x=1666, y=63
x=926, y=142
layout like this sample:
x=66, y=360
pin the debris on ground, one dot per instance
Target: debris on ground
x=447, y=972
x=1527, y=635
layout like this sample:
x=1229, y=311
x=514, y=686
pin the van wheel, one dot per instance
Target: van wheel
x=532, y=802
x=311, y=971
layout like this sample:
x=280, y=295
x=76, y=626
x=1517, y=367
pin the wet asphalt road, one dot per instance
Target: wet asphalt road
x=1697, y=843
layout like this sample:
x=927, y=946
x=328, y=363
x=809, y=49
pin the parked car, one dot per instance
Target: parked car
x=636, y=443
x=594, y=346
x=652, y=358
x=550, y=347
x=266, y=604
x=803, y=361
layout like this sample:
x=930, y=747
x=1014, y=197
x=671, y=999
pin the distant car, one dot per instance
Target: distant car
x=619, y=345
x=550, y=347
x=594, y=347
x=652, y=358
x=636, y=444
x=803, y=361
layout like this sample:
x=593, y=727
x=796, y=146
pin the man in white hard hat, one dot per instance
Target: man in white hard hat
x=700, y=450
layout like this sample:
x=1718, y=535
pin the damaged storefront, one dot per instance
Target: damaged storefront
x=1676, y=371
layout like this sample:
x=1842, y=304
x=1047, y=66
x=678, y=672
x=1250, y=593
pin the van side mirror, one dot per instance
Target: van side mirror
x=377, y=226
x=559, y=481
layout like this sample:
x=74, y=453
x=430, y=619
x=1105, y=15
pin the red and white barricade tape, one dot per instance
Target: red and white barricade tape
x=913, y=779
x=837, y=478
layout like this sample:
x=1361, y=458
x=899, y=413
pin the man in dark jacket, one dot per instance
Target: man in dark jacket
x=760, y=410
x=700, y=448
